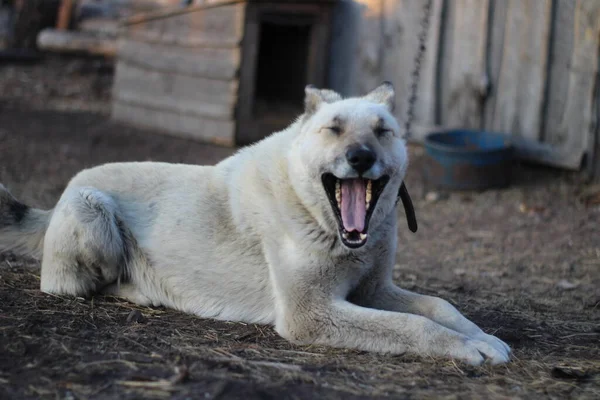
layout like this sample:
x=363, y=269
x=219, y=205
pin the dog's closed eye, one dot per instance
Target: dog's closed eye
x=380, y=131
x=380, y=128
x=335, y=129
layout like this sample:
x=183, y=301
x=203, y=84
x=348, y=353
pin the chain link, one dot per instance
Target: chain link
x=416, y=74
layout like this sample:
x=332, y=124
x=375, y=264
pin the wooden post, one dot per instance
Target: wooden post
x=64, y=15
x=19, y=5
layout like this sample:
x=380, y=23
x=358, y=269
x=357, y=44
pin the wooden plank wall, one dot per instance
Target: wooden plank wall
x=527, y=67
x=191, y=89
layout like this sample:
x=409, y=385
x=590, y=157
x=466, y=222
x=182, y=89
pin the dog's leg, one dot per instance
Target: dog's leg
x=310, y=308
x=392, y=298
x=379, y=292
x=343, y=324
x=84, y=248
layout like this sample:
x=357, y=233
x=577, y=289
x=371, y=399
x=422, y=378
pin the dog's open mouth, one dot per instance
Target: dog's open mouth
x=353, y=201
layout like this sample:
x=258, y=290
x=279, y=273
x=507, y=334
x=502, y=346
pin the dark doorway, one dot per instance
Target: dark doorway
x=285, y=47
x=281, y=70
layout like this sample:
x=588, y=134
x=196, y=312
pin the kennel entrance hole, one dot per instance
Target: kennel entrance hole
x=281, y=71
x=285, y=47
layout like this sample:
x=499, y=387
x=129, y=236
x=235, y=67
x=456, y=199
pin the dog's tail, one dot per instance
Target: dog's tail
x=22, y=228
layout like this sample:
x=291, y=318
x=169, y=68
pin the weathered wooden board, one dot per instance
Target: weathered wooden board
x=206, y=97
x=64, y=41
x=369, y=48
x=141, y=14
x=64, y=15
x=401, y=28
x=220, y=132
x=497, y=23
x=464, y=76
x=100, y=26
x=522, y=80
x=559, y=64
x=205, y=62
x=579, y=120
x=211, y=27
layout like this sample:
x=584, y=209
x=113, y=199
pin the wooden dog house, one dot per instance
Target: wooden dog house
x=227, y=72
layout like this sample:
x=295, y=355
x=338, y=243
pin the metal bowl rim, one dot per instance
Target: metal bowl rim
x=429, y=142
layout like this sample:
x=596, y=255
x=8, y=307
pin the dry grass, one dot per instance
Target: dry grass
x=56, y=346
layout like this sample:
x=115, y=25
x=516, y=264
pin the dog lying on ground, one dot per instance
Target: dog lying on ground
x=298, y=231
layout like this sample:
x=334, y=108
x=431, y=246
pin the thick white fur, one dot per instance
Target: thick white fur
x=253, y=239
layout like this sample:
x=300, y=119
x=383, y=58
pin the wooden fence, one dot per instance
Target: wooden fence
x=526, y=67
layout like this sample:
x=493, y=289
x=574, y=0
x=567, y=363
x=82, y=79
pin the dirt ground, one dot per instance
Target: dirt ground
x=523, y=263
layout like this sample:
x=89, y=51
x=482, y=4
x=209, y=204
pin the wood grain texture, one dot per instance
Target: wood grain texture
x=464, y=74
x=580, y=118
x=401, y=29
x=177, y=93
x=521, y=85
x=369, y=47
x=64, y=15
x=561, y=49
x=173, y=8
x=211, y=27
x=497, y=24
x=65, y=41
x=195, y=127
x=204, y=62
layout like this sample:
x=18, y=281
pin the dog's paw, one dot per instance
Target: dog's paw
x=494, y=342
x=477, y=352
x=492, y=354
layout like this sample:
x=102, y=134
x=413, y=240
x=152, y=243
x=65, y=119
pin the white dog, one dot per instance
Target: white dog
x=299, y=231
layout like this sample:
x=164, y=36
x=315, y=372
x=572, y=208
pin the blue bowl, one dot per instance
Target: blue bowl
x=468, y=159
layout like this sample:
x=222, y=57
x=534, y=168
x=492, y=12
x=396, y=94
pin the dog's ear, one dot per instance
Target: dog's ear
x=383, y=94
x=315, y=97
x=330, y=96
x=409, y=210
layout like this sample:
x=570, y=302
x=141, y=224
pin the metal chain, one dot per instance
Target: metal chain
x=416, y=74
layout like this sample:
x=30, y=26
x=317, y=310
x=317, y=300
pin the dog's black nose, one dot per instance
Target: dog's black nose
x=360, y=158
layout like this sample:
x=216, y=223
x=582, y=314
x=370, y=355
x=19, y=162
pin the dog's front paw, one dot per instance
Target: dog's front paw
x=477, y=352
x=492, y=354
x=494, y=342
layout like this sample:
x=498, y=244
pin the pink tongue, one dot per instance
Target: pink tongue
x=354, y=209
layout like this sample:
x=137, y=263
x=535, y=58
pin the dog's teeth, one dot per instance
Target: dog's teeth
x=345, y=235
x=338, y=193
x=368, y=204
x=368, y=195
x=363, y=236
